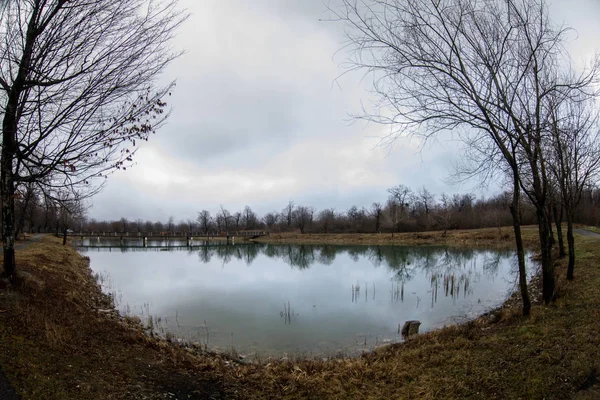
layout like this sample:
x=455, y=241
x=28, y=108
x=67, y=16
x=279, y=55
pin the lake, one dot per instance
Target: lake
x=316, y=300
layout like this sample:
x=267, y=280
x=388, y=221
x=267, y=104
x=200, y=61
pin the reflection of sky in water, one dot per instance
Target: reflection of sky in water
x=340, y=297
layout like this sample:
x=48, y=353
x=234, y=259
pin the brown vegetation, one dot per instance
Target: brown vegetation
x=488, y=237
x=61, y=341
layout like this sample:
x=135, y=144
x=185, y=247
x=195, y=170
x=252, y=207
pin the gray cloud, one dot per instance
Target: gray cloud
x=257, y=119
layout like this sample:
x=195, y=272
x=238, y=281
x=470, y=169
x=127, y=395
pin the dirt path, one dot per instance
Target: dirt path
x=585, y=232
x=29, y=241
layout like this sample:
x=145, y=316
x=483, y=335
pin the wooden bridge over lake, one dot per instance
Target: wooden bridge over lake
x=188, y=237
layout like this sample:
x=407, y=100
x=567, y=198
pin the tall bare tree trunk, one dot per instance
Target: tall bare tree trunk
x=7, y=184
x=9, y=149
x=20, y=225
x=550, y=230
x=558, y=221
x=7, y=192
x=571, y=243
x=548, y=279
x=516, y=217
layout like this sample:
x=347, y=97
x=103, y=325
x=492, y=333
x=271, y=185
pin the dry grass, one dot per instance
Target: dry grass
x=54, y=345
x=490, y=237
x=553, y=354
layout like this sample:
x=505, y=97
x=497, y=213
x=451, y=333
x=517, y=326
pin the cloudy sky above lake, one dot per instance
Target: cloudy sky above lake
x=258, y=118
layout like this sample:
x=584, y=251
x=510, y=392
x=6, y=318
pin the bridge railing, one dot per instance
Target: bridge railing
x=168, y=234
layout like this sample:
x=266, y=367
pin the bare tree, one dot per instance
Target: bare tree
x=443, y=216
x=250, y=219
x=575, y=155
x=237, y=220
x=123, y=225
x=27, y=194
x=326, y=217
x=71, y=212
x=376, y=213
x=556, y=210
x=270, y=219
x=288, y=213
x=148, y=226
x=302, y=216
x=190, y=225
x=77, y=91
x=484, y=68
x=426, y=199
x=224, y=219
x=356, y=218
x=401, y=196
x=204, y=219
x=397, y=205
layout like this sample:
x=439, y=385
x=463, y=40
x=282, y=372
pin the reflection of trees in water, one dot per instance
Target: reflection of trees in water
x=402, y=260
x=456, y=271
x=251, y=254
x=355, y=253
x=327, y=254
x=205, y=253
x=452, y=272
x=492, y=260
x=225, y=253
x=301, y=256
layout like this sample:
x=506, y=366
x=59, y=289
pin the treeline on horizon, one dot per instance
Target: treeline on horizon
x=405, y=210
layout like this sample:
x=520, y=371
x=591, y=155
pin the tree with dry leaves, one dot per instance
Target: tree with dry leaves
x=78, y=89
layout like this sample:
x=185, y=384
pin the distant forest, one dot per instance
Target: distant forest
x=404, y=211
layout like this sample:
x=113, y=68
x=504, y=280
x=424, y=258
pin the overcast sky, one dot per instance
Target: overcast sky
x=259, y=119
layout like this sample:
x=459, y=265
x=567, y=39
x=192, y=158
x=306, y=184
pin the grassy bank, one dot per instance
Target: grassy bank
x=60, y=340
x=491, y=237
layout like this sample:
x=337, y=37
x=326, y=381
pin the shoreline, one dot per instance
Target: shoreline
x=72, y=328
x=338, y=348
x=488, y=237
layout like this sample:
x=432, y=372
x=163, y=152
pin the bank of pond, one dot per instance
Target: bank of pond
x=282, y=300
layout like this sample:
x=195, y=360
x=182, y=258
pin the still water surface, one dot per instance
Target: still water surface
x=273, y=300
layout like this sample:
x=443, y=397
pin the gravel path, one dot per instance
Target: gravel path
x=585, y=232
x=31, y=240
